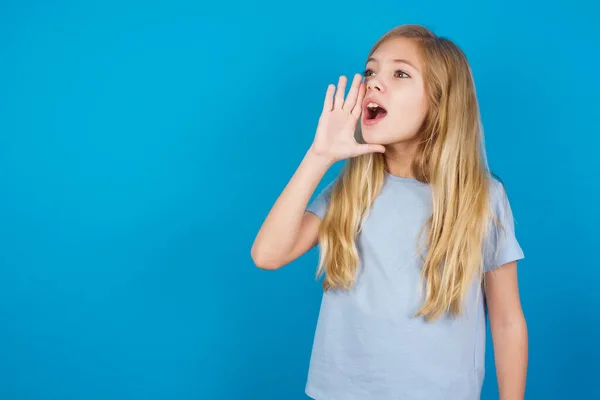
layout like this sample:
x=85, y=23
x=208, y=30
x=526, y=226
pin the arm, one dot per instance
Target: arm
x=509, y=331
x=288, y=232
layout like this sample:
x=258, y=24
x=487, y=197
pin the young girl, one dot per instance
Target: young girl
x=417, y=238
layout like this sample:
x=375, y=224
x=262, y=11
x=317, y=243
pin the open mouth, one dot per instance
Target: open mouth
x=374, y=111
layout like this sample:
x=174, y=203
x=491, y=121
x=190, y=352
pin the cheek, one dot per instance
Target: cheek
x=410, y=108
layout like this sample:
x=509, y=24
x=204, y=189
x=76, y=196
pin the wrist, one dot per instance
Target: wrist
x=316, y=158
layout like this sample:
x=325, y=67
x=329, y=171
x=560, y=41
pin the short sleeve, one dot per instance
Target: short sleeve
x=501, y=245
x=318, y=205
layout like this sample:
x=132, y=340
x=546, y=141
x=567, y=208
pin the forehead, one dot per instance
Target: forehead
x=399, y=48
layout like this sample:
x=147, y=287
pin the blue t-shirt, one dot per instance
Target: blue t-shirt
x=368, y=345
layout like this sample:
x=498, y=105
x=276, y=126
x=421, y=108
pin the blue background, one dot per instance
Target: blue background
x=142, y=145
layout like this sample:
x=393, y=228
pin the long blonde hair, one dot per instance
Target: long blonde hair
x=451, y=158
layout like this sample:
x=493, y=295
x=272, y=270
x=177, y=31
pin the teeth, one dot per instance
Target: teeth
x=372, y=105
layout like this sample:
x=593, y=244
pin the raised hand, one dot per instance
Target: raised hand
x=334, y=138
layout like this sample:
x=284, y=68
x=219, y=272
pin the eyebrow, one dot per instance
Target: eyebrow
x=397, y=60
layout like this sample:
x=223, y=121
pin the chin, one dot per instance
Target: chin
x=382, y=136
x=375, y=134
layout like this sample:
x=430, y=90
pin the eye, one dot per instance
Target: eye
x=398, y=74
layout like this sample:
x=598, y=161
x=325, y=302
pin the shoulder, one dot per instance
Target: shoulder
x=320, y=202
x=501, y=242
x=324, y=194
x=496, y=187
x=498, y=197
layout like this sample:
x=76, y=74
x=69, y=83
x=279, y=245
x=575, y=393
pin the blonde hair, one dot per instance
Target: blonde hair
x=451, y=158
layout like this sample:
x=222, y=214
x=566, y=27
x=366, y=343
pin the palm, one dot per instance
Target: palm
x=335, y=132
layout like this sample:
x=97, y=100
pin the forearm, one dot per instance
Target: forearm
x=278, y=232
x=511, y=354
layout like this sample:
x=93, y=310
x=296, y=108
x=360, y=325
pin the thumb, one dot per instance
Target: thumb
x=371, y=148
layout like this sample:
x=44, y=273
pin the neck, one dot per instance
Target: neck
x=399, y=157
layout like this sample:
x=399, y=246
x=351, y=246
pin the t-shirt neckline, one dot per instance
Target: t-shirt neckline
x=403, y=178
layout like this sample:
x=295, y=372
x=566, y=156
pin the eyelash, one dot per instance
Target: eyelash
x=398, y=70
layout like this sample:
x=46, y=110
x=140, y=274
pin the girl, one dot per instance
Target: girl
x=417, y=238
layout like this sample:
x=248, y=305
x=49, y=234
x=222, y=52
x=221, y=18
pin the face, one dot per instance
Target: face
x=394, y=80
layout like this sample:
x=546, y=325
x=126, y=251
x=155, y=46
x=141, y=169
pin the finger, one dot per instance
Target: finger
x=328, y=103
x=358, y=108
x=353, y=93
x=341, y=90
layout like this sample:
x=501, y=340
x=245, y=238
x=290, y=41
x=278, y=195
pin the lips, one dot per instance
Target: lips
x=373, y=111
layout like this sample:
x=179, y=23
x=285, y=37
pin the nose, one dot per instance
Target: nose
x=374, y=84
